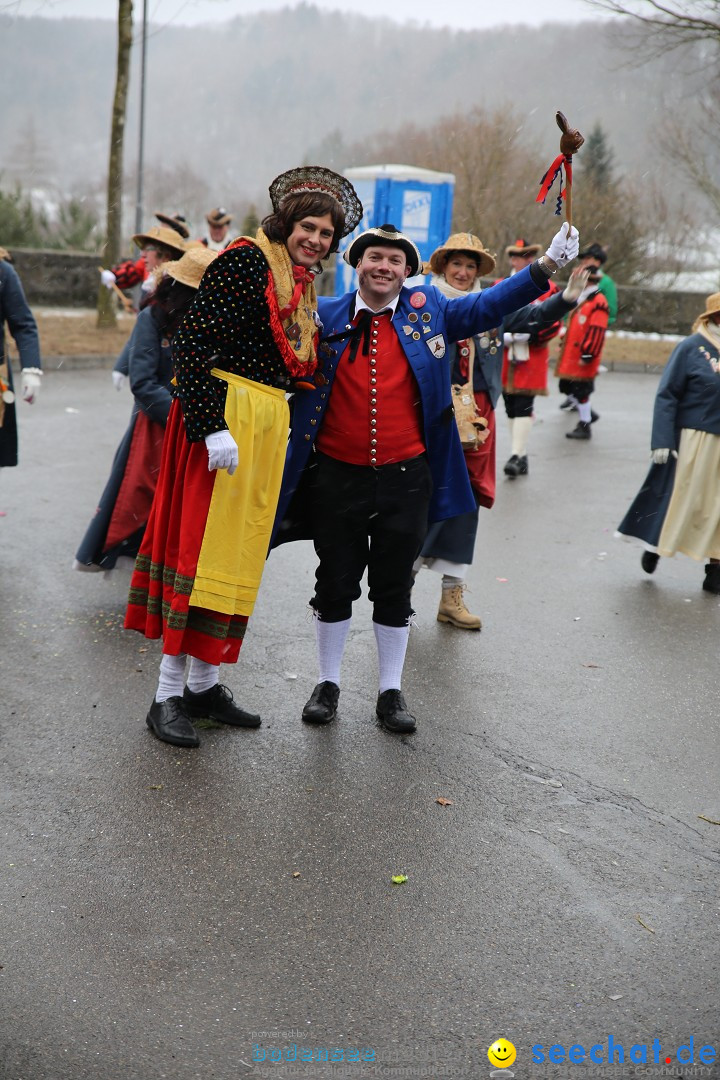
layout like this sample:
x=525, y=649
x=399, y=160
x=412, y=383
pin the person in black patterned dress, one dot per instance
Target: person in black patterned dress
x=250, y=336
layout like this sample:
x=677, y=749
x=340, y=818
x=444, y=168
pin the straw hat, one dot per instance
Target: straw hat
x=468, y=244
x=161, y=234
x=383, y=236
x=190, y=268
x=712, y=307
x=5, y=255
x=219, y=216
x=522, y=247
x=318, y=178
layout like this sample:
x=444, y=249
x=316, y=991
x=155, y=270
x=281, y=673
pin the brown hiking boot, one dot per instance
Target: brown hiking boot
x=452, y=610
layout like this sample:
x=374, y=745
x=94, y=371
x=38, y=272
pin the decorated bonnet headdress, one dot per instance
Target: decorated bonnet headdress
x=316, y=178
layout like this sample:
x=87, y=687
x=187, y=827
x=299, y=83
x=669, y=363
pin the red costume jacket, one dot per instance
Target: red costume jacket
x=581, y=348
x=529, y=376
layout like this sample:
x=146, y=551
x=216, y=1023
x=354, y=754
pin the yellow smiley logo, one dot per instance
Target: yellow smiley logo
x=501, y=1053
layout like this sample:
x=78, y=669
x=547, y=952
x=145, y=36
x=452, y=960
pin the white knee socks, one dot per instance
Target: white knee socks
x=172, y=677
x=391, y=648
x=330, y=638
x=202, y=676
x=521, y=434
x=584, y=411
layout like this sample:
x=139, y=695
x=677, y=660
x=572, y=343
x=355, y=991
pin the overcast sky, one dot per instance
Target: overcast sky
x=459, y=14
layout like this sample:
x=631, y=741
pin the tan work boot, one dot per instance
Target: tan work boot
x=452, y=610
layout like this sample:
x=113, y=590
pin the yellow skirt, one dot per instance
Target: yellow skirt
x=242, y=509
x=692, y=522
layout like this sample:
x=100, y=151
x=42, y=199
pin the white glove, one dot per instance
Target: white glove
x=660, y=457
x=118, y=379
x=564, y=245
x=108, y=278
x=222, y=451
x=149, y=285
x=576, y=285
x=509, y=339
x=31, y=379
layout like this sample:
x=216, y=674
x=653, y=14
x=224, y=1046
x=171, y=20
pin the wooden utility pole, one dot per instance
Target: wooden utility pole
x=113, y=231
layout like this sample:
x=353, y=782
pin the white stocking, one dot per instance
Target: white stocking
x=391, y=648
x=202, y=676
x=172, y=677
x=330, y=638
x=521, y=434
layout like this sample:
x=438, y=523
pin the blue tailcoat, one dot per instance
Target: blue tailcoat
x=449, y=321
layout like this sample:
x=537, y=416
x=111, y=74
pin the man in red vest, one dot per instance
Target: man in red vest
x=388, y=455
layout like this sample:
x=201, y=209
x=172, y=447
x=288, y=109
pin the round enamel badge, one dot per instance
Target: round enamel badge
x=418, y=299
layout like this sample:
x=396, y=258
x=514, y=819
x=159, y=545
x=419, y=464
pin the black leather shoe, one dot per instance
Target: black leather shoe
x=169, y=721
x=392, y=712
x=594, y=416
x=217, y=704
x=516, y=466
x=649, y=561
x=567, y=405
x=582, y=431
x=323, y=703
x=711, y=583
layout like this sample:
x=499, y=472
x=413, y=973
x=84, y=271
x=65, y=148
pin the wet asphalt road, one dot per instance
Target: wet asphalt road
x=160, y=909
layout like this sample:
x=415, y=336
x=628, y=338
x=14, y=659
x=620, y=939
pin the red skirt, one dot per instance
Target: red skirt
x=481, y=462
x=158, y=604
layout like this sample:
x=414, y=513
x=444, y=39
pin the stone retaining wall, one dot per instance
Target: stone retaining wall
x=70, y=279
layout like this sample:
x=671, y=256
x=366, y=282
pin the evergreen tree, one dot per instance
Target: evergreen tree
x=597, y=161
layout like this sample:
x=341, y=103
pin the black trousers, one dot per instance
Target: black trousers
x=578, y=388
x=374, y=518
x=517, y=405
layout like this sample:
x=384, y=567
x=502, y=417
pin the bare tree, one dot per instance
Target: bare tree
x=671, y=24
x=111, y=250
x=688, y=136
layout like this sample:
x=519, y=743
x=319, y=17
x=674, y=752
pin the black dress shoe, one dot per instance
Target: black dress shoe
x=169, y=721
x=217, y=704
x=649, y=561
x=516, y=466
x=392, y=712
x=323, y=703
x=582, y=431
x=567, y=405
x=711, y=583
x=594, y=416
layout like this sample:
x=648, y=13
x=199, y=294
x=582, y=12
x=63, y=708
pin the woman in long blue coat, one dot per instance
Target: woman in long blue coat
x=678, y=506
x=115, y=533
x=14, y=311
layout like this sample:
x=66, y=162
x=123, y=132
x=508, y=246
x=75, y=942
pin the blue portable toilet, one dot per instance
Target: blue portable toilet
x=418, y=201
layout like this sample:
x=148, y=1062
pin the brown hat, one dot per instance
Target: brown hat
x=467, y=243
x=383, y=236
x=160, y=234
x=712, y=307
x=318, y=178
x=176, y=222
x=219, y=216
x=522, y=247
x=190, y=268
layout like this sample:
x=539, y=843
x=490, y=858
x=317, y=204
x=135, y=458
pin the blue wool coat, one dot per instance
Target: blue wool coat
x=425, y=344
x=688, y=395
x=15, y=311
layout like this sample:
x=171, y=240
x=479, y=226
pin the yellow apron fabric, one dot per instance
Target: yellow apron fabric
x=692, y=522
x=242, y=509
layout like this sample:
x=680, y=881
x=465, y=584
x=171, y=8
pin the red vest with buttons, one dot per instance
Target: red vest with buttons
x=374, y=415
